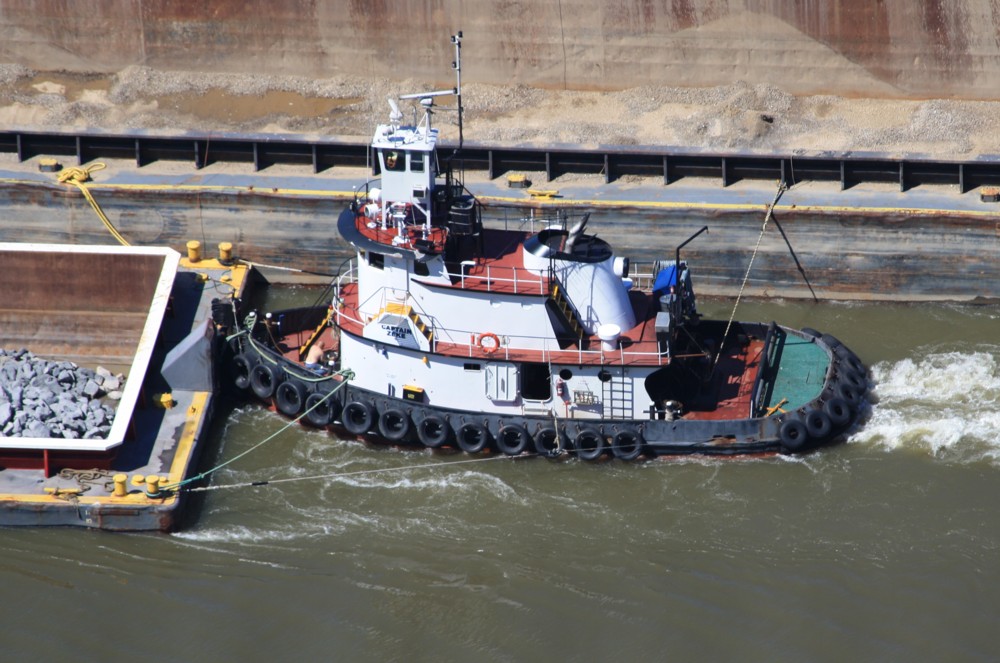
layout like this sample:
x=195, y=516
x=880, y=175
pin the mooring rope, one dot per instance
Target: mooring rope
x=347, y=374
x=339, y=475
x=767, y=217
x=77, y=177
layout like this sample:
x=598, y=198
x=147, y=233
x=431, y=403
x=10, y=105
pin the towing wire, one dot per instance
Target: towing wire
x=347, y=374
x=782, y=187
x=339, y=475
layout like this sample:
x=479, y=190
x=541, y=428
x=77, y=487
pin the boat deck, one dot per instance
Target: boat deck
x=48, y=483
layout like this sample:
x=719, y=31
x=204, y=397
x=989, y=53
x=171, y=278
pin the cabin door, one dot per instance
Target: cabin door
x=501, y=382
x=397, y=280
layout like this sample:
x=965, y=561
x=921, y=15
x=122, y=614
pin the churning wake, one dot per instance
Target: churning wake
x=945, y=402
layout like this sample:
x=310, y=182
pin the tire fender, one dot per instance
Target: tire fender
x=626, y=444
x=588, y=444
x=289, y=397
x=793, y=435
x=358, y=417
x=546, y=442
x=838, y=411
x=818, y=424
x=263, y=381
x=433, y=431
x=472, y=437
x=394, y=425
x=512, y=439
x=242, y=367
x=320, y=412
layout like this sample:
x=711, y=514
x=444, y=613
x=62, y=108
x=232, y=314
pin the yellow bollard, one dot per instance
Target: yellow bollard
x=194, y=250
x=152, y=486
x=225, y=252
x=120, y=489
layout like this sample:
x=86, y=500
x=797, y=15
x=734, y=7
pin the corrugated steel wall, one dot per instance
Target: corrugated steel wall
x=919, y=48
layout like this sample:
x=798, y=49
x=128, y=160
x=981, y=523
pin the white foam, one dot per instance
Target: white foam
x=940, y=401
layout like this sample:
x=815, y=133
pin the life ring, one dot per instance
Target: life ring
x=263, y=381
x=793, y=434
x=512, y=439
x=432, y=431
x=589, y=444
x=818, y=424
x=394, y=425
x=358, y=417
x=492, y=346
x=626, y=444
x=320, y=410
x=472, y=437
x=241, y=368
x=289, y=397
x=546, y=442
x=838, y=410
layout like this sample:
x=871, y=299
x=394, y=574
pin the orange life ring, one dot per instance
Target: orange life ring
x=492, y=347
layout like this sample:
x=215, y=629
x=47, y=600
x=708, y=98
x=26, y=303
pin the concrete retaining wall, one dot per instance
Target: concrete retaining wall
x=926, y=48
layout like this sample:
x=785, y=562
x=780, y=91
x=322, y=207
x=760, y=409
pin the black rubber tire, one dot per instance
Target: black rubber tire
x=809, y=331
x=588, y=444
x=838, y=411
x=793, y=435
x=626, y=444
x=818, y=424
x=546, y=442
x=263, y=381
x=358, y=417
x=849, y=376
x=241, y=371
x=289, y=397
x=472, y=437
x=851, y=361
x=433, y=431
x=394, y=425
x=321, y=415
x=513, y=439
x=830, y=341
x=849, y=394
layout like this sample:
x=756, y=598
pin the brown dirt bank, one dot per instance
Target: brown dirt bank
x=739, y=116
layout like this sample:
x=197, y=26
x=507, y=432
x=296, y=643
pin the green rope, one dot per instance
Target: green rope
x=355, y=473
x=346, y=374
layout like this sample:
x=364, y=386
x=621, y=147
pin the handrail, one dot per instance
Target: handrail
x=758, y=392
x=352, y=316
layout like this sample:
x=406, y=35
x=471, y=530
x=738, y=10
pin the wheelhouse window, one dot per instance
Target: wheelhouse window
x=417, y=162
x=394, y=160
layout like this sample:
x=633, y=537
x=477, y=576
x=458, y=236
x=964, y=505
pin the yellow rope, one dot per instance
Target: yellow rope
x=78, y=177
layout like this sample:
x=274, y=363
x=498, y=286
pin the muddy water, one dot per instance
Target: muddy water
x=886, y=547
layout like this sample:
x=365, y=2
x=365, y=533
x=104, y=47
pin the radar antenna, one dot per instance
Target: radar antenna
x=395, y=116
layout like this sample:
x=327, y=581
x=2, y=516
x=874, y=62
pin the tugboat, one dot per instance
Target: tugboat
x=447, y=331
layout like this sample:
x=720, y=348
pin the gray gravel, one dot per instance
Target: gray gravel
x=42, y=398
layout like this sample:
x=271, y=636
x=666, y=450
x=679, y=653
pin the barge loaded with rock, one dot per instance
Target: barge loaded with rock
x=444, y=331
x=107, y=381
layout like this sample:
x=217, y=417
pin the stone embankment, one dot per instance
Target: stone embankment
x=42, y=398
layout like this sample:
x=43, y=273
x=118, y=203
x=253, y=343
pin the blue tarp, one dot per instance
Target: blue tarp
x=666, y=278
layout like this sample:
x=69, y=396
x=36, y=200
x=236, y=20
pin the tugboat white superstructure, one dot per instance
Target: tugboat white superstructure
x=537, y=339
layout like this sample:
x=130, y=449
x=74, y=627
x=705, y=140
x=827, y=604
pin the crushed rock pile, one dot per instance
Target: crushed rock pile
x=42, y=398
